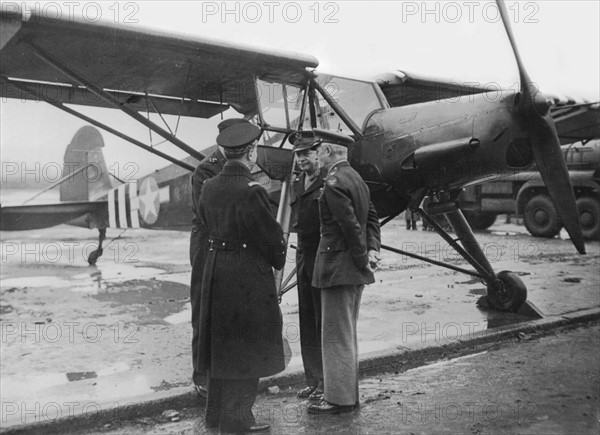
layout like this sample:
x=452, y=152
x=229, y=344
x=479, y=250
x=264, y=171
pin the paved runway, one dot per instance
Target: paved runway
x=78, y=339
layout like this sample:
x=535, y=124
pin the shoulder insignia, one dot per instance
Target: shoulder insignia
x=253, y=183
x=332, y=180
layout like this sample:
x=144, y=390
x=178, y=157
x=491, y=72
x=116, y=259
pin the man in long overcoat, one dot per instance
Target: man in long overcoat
x=206, y=169
x=240, y=322
x=347, y=254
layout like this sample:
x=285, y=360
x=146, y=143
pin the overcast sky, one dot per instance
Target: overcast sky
x=463, y=41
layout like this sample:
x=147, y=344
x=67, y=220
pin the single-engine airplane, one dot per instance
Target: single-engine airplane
x=93, y=197
x=418, y=141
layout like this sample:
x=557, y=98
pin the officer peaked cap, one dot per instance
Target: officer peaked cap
x=332, y=137
x=302, y=140
x=229, y=122
x=238, y=135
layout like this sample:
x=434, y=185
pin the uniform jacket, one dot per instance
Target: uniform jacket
x=349, y=228
x=305, y=211
x=240, y=320
x=207, y=168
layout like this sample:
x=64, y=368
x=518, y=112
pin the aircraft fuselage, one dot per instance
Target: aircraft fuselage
x=443, y=145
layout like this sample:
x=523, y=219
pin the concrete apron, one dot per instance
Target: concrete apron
x=394, y=360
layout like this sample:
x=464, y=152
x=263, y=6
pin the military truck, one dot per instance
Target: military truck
x=524, y=194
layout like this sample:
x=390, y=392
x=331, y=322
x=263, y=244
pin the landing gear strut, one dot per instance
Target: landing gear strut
x=96, y=254
x=505, y=291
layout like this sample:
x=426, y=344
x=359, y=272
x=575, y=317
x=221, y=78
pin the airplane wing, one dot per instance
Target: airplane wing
x=402, y=88
x=575, y=120
x=37, y=216
x=142, y=69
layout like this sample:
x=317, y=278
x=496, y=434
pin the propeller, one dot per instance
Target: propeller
x=534, y=109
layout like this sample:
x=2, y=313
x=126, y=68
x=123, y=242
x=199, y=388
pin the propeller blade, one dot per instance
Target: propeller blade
x=553, y=168
x=524, y=77
x=533, y=110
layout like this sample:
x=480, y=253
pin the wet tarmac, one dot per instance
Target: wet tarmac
x=77, y=338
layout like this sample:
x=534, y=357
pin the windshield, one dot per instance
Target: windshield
x=355, y=97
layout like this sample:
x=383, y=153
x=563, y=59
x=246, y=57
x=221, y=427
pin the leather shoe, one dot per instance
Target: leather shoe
x=324, y=407
x=316, y=395
x=201, y=391
x=259, y=427
x=306, y=392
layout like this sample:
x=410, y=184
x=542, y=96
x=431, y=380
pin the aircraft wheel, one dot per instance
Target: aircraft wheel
x=589, y=217
x=507, y=293
x=480, y=220
x=541, y=218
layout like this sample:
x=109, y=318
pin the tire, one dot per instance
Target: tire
x=589, y=217
x=480, y=220
x=508, y=293
x=541, y=218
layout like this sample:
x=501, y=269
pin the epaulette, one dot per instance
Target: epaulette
x=253, y=183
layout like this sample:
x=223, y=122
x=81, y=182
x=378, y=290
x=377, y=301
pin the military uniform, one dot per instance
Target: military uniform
x=206, y=169
x=240, y=325
x=305, y=222
x=349, y=228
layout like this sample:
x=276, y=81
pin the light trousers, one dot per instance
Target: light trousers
x=339, y=311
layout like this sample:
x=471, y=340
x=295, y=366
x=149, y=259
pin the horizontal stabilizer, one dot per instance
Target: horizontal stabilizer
x=37, y=216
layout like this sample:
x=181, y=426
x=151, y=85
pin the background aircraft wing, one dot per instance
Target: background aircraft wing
x=402, y=88
x=575, y=120
x=144, y=69
x=36, y=216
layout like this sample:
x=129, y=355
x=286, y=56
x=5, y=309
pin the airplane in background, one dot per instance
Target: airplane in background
x=418, y=141
x=92, y=197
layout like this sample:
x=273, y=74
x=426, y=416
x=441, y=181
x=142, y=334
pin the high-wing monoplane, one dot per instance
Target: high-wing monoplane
x=418, y=141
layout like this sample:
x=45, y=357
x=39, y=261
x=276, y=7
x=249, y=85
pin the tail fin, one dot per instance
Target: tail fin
x=85, y=151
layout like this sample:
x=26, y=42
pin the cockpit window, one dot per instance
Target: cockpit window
x=355, y=97
x=280, y=104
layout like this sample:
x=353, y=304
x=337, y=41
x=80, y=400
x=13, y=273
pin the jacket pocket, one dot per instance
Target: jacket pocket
x=332, y=251
x=331, y=245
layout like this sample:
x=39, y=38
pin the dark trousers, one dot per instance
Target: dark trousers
x=198, y=259
x=309, y=311
x=229, y=404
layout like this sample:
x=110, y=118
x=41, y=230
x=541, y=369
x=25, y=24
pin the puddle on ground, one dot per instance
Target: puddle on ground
x=78, y=376
x=155, y=300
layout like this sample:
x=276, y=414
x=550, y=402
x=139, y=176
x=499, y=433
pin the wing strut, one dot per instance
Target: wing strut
x=105, y=127
x=99, y=92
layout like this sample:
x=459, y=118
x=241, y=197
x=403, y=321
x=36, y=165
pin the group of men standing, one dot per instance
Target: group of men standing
x=236, y=243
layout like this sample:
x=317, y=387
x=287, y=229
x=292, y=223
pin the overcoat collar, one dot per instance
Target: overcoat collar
x=337, y=165
x=234, y=168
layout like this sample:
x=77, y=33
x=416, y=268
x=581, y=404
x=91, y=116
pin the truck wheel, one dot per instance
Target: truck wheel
x=507, y=293
x=541, y=218
x=589, y=217
x=480, y=220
